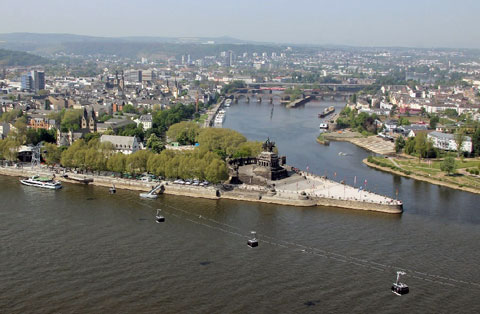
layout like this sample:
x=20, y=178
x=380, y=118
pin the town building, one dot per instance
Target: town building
x=89, y=121
x=27, y=82
x=33, y=81
x=146, y=120
x=41, y=122
x=445, y=141
x=122, y=144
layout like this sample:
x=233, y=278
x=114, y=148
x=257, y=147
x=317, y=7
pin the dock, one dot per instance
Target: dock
x=299, y=102
x=212, y=113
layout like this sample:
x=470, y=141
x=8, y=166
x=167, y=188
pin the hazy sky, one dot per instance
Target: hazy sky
x=418, y=23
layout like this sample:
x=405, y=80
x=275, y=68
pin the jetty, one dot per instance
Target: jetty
x=299, y=102
x=213, y=112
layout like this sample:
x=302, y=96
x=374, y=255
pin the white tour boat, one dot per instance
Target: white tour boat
x=42, y=182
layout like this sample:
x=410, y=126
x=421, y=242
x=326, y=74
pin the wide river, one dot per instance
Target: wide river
x=81, y=250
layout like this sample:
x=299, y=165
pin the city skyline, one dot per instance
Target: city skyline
x=429, y=24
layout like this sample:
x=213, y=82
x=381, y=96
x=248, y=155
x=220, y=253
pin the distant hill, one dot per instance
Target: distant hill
x=52, y=38
x=136, y=46
x=20, y=58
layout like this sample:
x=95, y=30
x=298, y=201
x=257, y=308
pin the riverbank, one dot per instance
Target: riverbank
x=371, y=143
x=300, y=191
x=423, y=178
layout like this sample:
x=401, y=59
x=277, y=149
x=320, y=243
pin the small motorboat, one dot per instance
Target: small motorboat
x=399, y=288
x=159, y=218
x=253, y=242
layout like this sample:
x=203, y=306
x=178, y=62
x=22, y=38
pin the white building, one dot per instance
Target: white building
x=146, y=120
x=391, y=125
x=124, y=144
x=447, y=141
x=386, y=105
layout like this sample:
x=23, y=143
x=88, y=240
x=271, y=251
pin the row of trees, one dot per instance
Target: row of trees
x=419, y=146
x=96, y=156
x=224, y=142
x=207, y=161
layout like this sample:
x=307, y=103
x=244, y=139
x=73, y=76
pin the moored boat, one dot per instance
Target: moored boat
x=323, y=126
x=326, y=112
x=42, y=182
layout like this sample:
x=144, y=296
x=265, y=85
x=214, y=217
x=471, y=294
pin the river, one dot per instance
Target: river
x=82, y=250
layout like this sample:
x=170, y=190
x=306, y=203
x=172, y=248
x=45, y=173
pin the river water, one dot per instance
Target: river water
x=81, y=250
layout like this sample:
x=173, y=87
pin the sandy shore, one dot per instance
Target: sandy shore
x=421, y=178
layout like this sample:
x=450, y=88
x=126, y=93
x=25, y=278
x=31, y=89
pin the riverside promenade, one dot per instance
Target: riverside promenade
x=301, y=190
x=322, y=188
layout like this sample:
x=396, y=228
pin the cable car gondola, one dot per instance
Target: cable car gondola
x=399, y=288
x=159, y=218
x=253, y=242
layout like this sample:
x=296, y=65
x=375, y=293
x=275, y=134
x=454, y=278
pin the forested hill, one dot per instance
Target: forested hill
x=19, y=58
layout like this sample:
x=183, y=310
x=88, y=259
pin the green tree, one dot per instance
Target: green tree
x=56, y=115
x=448, y=165
x=117, y=162
x=137, y=162
x=71, y=120
x=403, y=121
x=434, y=121
x=10, y=116
x=421, y=145
x=10, y=149
x=248, y=149
x=128, y=108
x=185, y=132
x=222, y=141
x=51, y=153
x=91, y=136
x=459, y=140
x=232, y=87
x=216, y=171
x=410, y=146
x=476, y=142
x=451, y=113
x=19, y=132
x=74, y=156
x=399, y=144
x=155, y=143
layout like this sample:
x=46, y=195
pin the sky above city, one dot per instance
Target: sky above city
x=406, y=23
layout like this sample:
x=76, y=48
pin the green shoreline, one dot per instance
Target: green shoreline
x=421, y=178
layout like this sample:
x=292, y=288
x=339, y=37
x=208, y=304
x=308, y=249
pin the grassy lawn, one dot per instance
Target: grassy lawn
x=432, y=170
x=435, y=164
x=202, y=118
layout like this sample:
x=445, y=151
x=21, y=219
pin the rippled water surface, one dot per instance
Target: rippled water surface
x=81, y=250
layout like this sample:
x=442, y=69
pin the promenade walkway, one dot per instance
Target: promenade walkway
x=316, y=186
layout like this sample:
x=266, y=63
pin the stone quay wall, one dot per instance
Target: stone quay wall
x=253, y=194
